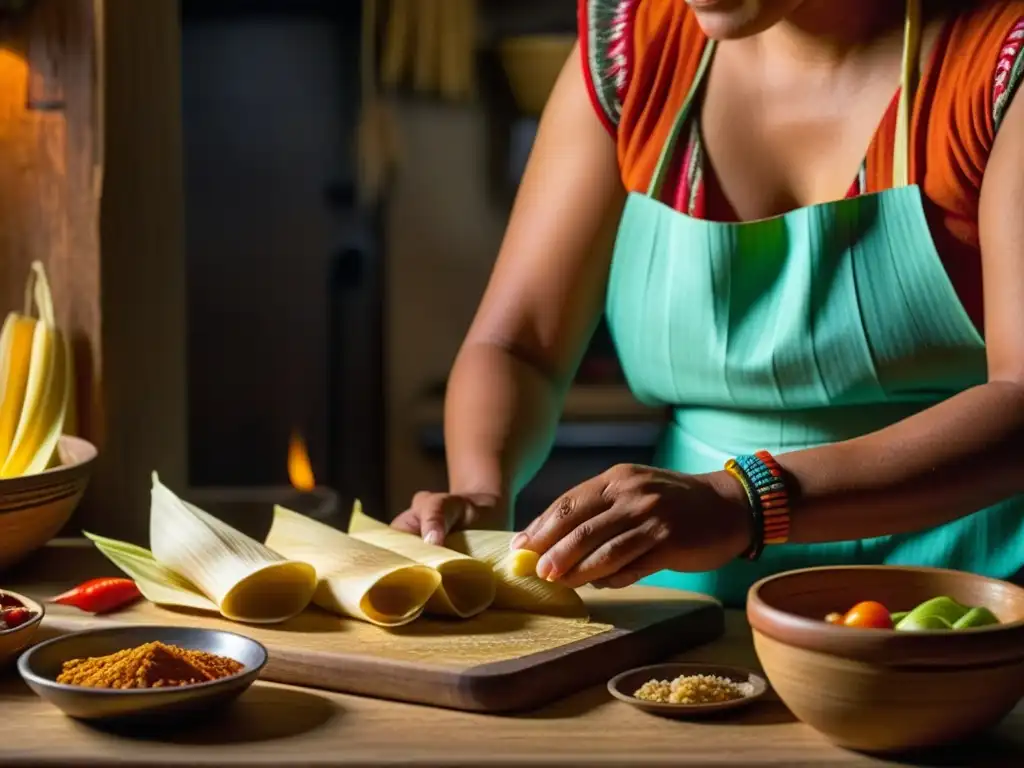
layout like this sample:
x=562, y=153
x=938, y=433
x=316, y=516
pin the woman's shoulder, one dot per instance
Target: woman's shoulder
x=623, y=42
x=980, y=65
x=975, y=72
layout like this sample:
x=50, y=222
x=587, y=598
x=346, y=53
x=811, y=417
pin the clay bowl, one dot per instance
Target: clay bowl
x=14, y=641
x=877, y=690
x=35, y=507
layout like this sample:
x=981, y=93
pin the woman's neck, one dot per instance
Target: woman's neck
x=824, y=33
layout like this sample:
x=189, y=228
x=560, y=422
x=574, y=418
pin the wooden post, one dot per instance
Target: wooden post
x=90, y=183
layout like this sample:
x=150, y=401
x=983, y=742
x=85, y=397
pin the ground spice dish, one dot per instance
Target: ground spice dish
x=693, y=689
x=152, y=665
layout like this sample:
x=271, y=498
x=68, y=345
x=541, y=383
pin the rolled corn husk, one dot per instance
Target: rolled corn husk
x=468, y=585
x=197, y=561
x=517, y=588
x=355, y=578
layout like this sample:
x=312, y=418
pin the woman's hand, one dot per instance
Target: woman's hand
x=632, y=521
x=434, y=515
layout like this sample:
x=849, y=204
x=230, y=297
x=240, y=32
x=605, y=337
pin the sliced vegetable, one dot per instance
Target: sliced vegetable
x=923, y=623
x=11, y=618
x=518, y=587
x=100, y=595
x=200, y=562
x=468, y=585
x=945, y=608
x=898, y=616
x=356, y=578
x=976, y=617
x=868, y=615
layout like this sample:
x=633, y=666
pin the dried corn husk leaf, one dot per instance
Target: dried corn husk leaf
x=518, y=587
x=247, y=581
x=468, y=585
x=47, y=386
x=157, y=583
x=199, y=562
x=15, y=355
x=356, y=578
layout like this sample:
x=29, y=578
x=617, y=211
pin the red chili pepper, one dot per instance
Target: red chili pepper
x=14, y=617
x=100, y=595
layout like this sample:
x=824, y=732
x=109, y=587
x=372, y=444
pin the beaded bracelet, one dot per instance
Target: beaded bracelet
x=752, y=552
x=765, y=486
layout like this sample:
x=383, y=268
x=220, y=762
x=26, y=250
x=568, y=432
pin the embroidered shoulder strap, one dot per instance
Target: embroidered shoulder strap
x=1009, y=72
x=606, y=44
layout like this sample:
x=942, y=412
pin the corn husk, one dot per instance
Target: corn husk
x=197, y=561
x=517, y=588
x=356, y=579
x=157, y=583
x=36, y=376
x=468, y=585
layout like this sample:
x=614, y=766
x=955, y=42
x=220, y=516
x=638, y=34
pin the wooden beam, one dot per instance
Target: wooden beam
x=90, y=183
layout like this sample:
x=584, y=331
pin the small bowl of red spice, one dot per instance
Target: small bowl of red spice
x=142, y=673
x=20, y=617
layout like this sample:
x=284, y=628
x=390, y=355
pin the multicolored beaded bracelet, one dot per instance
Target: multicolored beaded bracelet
x=765, y=486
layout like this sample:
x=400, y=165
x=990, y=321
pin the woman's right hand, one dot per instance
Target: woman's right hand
x=434, y=515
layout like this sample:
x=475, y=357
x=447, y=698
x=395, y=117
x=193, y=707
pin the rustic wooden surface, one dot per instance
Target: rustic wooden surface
x=497, y=661
x=286, y=726
x=289, y=726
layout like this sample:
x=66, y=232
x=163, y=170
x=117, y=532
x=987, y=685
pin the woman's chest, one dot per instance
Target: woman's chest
x=778, y=141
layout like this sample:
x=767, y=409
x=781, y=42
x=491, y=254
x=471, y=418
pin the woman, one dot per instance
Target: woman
x=869, y=337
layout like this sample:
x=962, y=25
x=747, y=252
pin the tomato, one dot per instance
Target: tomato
x=834, y=618
x=868, y=615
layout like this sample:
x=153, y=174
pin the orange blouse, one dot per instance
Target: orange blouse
x=640, y=58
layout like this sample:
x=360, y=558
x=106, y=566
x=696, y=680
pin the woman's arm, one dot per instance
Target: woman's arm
x=961, y=455
x=541, y=305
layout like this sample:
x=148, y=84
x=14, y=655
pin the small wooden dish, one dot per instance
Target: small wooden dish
x=623, y=686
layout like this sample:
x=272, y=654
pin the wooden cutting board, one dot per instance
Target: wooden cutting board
x=496, y=662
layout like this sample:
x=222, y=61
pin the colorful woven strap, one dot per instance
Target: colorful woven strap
x=765, y=486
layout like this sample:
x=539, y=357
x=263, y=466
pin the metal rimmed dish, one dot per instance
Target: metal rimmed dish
x=39, y=667
x=624, y=685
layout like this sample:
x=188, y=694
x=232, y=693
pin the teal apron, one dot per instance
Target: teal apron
x=812, y=327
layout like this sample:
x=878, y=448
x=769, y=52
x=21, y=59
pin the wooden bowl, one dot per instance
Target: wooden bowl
x=878, y=690
x=14, y=641
x=35, y=507
x=532, y=64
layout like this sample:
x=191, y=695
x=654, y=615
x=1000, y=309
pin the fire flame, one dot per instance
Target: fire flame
x=300, y=471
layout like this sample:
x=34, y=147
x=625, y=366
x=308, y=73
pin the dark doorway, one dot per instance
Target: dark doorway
x=284, y=288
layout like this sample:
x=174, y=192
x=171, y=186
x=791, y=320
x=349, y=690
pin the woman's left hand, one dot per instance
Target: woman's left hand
x=632, y=521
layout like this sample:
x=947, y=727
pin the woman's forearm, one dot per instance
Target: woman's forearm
x=948, y=461
x=499, y=423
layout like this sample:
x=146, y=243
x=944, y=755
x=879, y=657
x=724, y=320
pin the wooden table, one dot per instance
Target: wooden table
x=286, y=726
